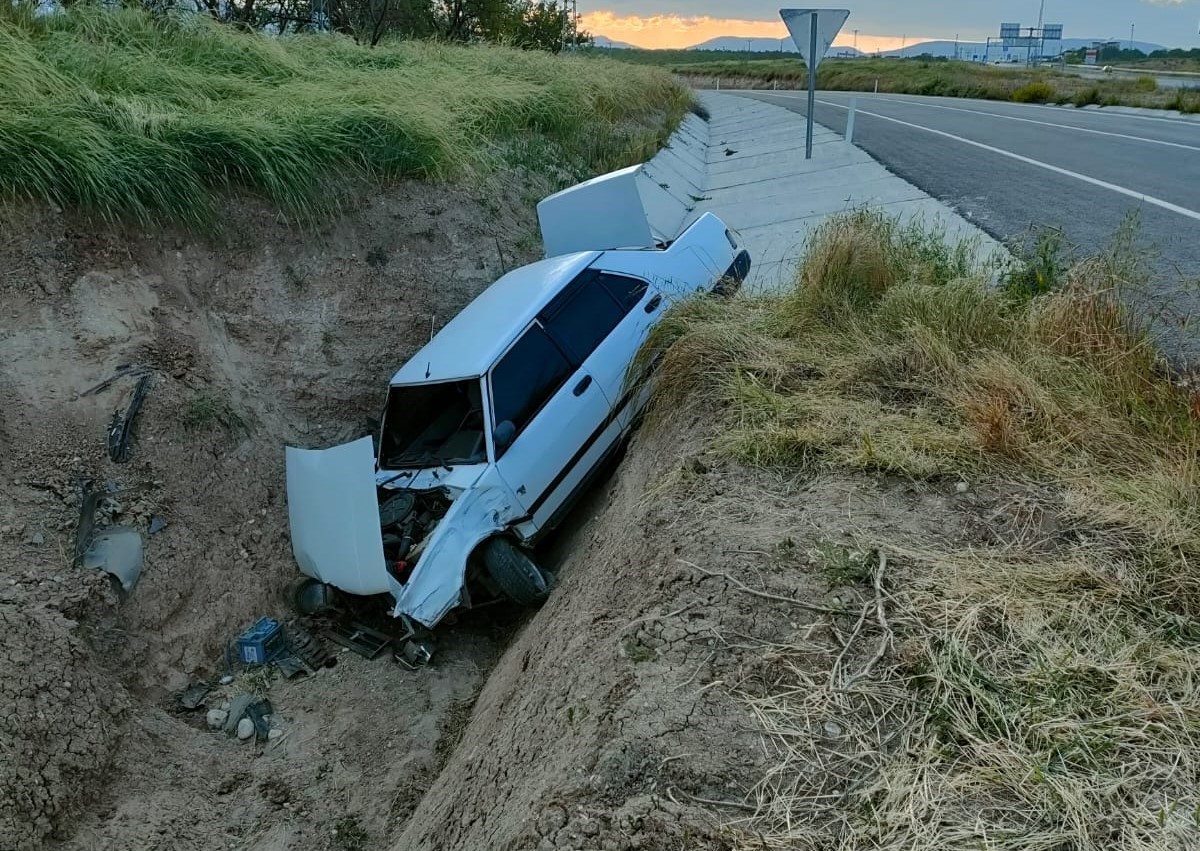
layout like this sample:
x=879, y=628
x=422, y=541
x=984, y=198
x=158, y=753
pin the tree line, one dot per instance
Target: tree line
x=531, y=24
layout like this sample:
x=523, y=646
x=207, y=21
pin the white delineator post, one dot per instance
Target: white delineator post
x=850, y=121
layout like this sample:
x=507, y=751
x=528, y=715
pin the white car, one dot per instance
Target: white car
x=492, y=430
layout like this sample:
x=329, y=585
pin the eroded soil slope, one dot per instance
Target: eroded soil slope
x=268, y=334
x=620, y=718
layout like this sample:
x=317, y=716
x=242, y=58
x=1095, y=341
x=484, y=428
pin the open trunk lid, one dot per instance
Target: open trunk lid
x=334, y=516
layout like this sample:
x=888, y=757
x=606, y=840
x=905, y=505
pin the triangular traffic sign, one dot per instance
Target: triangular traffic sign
x=799, y=24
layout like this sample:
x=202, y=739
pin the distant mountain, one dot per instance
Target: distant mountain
x=609, y=44
x=941, y=47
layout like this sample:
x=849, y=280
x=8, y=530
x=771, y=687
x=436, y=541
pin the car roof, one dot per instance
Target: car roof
x=472, y=341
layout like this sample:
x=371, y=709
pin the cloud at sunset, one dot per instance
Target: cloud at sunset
x=677, y=31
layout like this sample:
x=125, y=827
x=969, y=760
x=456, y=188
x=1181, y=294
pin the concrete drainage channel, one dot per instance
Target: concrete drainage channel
x=746, y=164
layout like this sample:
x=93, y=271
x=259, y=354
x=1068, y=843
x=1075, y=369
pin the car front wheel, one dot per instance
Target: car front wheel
x=515, y=573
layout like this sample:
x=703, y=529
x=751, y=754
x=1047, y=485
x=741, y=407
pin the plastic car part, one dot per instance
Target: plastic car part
x=120, y=430
x=117, y=551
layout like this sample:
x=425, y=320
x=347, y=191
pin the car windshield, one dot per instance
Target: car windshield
x=428, y=425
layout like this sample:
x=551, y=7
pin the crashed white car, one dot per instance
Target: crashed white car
x=494, y=428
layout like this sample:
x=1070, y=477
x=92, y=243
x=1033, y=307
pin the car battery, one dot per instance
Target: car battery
x=262, y=642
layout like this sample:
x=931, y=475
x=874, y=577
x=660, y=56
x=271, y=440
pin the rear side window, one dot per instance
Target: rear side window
x=582, y=317
x=627, y=292
x=525, y=378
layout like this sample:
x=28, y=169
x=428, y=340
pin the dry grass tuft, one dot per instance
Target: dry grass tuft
x=1041, y=694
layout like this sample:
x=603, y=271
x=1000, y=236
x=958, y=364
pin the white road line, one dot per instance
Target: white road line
x=1146, y=199
x=1005, y=117
x=1104, y=113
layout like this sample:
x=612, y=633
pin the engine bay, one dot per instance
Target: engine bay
x=406, y=519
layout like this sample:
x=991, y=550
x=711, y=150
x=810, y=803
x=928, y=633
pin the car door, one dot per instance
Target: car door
x=554, y=407
x=641, y=306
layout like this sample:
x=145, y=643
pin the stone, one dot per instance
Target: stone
x=245, y=729
x=216, y=718
x=273, y=734
x=832, y=729
x=962, y=487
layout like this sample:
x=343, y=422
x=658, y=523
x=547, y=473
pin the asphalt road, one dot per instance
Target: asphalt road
x=1012, y=168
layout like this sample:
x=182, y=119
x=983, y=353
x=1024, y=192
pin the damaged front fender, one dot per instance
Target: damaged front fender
x=438, y=581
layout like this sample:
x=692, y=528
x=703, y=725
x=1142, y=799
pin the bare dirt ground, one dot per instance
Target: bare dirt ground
x=263, y=336
x=615, y=718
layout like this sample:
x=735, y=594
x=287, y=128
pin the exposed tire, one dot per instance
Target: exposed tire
x=515, y=573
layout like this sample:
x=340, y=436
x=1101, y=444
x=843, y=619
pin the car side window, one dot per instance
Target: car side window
x=627, y=292
x=526, y=377
x=581, y=317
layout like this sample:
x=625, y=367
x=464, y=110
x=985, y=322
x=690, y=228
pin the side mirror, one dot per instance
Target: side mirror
x=503, y=435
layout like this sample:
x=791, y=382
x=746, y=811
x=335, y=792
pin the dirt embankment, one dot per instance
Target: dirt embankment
x=265, y=335
x=622, y=716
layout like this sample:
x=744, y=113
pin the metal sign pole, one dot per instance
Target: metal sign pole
x=812, y=86
x=813, y=41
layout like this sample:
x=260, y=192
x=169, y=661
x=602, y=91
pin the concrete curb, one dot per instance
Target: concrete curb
x=746, y=164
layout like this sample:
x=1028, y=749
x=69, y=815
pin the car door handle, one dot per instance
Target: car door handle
x=584, y=384
x=652, y=304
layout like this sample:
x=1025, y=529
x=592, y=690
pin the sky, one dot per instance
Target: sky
x=884, y=24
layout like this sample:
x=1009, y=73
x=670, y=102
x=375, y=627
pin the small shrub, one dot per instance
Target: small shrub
x=841, y=566
x=349, y=835
x=1146, y=83
x=1039, y=271
x=1087, y=97
x=207, y=411
x=1185, y=102
x=1039, y=91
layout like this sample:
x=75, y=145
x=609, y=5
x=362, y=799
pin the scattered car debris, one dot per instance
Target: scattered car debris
x=414, y=653
x=261, y=643
x=238, y=704
x=363, y=640
x=120, y=430
x=193, y=696
x=311, y=597
x=127, y=369
x=305, y=654
x=118, y=552
x=157, y=524
x=259, y=713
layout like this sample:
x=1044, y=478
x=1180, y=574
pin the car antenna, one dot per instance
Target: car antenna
x=428, y=368
x=432, y=322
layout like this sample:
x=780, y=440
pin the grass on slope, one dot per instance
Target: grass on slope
x=919, y=77
x=128, y=115
x=1043, y=691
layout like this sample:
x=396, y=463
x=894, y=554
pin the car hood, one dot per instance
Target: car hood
x=334, y=516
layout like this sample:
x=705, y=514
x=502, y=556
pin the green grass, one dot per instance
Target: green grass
x=126, y=115
x=936, y=77
x=1042, y=690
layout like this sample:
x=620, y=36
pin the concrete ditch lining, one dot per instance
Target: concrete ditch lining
x=746, y=164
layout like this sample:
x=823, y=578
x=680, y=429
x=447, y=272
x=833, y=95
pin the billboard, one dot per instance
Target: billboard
x=1008, y=31
x=1052, y=32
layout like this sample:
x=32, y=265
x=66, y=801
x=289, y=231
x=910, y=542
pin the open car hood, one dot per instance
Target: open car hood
x=334, y=516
